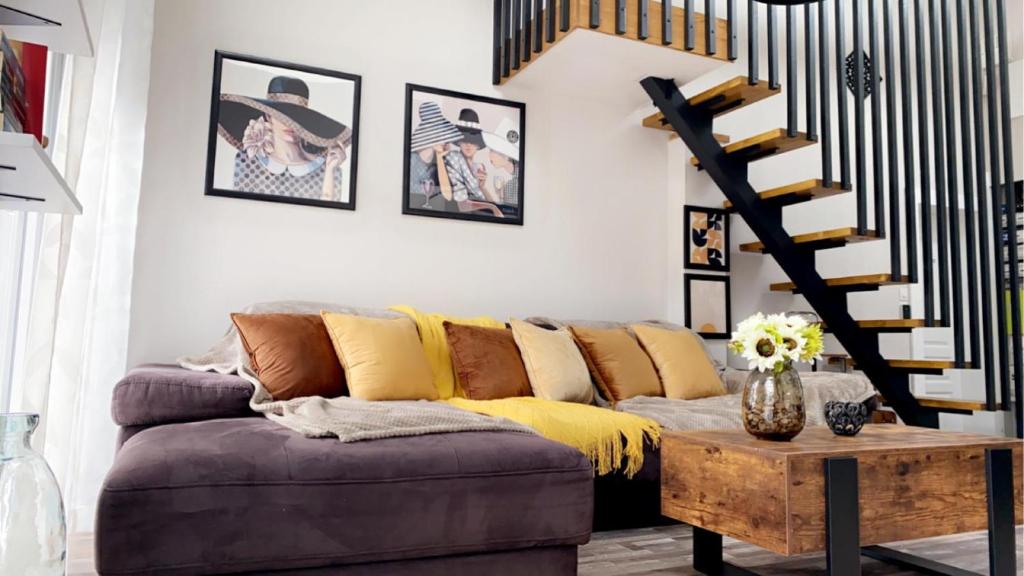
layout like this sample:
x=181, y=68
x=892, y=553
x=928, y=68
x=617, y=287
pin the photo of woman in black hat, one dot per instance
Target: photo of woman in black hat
x=450, y=169
x=294, y=142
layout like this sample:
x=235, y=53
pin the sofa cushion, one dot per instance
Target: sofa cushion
x=487, y=363
x=684, y=368
x=553, y=363
x=618, y=364
x=159, y=393
x=383, y=357
x=246, y=494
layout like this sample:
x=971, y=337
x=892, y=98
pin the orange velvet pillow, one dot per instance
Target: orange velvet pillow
x=292, y=354
x=487, y=362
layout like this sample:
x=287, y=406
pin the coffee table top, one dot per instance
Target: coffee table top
x=818, y=441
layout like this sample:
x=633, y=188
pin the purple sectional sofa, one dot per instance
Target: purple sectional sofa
x=200, y=485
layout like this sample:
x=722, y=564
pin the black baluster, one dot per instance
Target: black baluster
x=925, y=166
x=791, y=72
x=995, y=174
x=549, y=22
x=753, y=58
x=538, y=22
x=877, y=163
x=730, y=18
x=987, y=352
x=506, y=37
x=595, y=13
x=689, y=28
x=710, y=25
x=826, y=103
x=810, y=55
x=970, y=240
x=620, y=16
x=496, y=44
x=517, y=33
x=1011, y=212
x=941, y=232
x=666, y=22
x=953, y=189
x=564, y=16
x=844, y=125
x=906, y=94
x=773, y=49
x=858, y=121
x=527, y=30
x=892, y=130
x=643, y=14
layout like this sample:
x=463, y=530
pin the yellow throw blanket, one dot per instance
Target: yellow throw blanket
x=606, y=437
x=435, y=344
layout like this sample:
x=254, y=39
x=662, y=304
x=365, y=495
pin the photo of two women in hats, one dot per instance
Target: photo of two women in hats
x=461, y=167
x=285, y=149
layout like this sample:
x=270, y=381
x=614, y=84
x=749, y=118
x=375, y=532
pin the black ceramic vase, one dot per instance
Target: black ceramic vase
x=845, y=418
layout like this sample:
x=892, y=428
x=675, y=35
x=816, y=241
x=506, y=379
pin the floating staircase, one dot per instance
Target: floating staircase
x=928, y=158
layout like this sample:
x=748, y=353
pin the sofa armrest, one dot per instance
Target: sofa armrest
x=159, y=394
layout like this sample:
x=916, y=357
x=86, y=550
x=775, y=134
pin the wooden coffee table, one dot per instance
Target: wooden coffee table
x=843, y=495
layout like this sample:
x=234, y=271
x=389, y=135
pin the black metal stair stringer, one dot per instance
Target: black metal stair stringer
x=694, y=127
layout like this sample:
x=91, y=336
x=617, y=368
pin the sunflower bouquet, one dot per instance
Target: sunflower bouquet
x=775, y=341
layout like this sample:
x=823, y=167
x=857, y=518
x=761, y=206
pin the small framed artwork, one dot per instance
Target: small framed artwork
x=707, y=238
x=708, y=305
x=464, y=156
x=282, y=132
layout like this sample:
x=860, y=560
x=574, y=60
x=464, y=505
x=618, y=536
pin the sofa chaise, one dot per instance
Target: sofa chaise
x=201, y=486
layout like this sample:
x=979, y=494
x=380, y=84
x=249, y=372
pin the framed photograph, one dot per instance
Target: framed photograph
x=282, y=132
x=708, y=306
x=707, y=238
x=464, y=156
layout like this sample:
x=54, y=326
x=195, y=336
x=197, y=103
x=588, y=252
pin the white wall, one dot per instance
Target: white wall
x=594, y=243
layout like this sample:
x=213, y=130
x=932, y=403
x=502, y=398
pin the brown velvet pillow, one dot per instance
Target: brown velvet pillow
x=487, y=362
x=618, y=364
x=292, y=354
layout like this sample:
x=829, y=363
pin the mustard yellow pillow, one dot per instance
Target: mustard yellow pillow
x=554, y=365
x=382, y=357
x=618, y=364
x=683, y=366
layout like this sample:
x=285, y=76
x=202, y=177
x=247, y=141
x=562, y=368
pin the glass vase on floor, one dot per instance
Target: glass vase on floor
x=32, y=528
x=773, y=404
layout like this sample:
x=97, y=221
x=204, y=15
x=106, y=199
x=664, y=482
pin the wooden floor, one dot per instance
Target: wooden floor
x=666, y=551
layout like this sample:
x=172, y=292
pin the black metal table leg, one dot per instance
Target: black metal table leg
x=1002, y=547
x=842, y=517
x=707, y=551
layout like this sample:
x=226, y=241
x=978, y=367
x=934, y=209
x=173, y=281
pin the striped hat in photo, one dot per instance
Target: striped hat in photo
x=433, y=129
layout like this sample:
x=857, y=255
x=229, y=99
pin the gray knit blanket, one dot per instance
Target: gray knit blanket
x=347, y=419
x=724, y=411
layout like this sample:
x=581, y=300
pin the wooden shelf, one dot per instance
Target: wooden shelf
x=657, y=121
x=820, y=240
x=902, y=364
x=29, y=182
x=732, y=95
x=797, y=192
x=770, y=143
x=70, y=37
x=851, y=283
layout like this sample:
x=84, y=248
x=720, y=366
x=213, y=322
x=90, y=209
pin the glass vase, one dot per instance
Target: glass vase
x=773, y=404
x=32, y=529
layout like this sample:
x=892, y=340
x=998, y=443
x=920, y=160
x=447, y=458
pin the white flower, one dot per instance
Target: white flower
x=258, y=139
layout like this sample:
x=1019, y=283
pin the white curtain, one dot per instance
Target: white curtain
x=76, y=344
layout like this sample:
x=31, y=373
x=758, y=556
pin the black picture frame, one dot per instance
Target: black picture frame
x=688, y=295
x=407, y=205
x=211, y=154
x=714, y=214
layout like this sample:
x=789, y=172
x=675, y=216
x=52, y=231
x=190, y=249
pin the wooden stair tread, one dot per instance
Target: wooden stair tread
x=818, y=240
x=893, y=325
x=733, y=94
x=950, y=404
x=768, y=143
x=797, y=192
x=907, y=364
x=658, y=122
x=864, y=280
